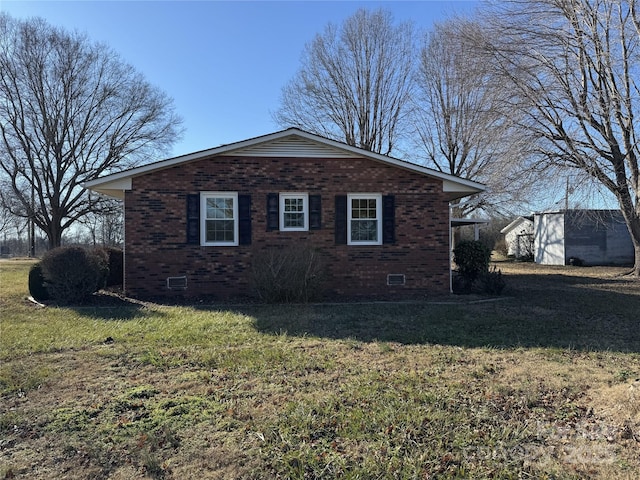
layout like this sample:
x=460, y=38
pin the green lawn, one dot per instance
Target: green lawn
x=540, y=383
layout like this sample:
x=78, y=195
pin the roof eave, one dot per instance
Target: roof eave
x=114, y=188
x=456, y=190
x=454, y=186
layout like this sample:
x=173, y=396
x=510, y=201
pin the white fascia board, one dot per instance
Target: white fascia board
x=98, y=183
x=461, y=188
x=513, y=224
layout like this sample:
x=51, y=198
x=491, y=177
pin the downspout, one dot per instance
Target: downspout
x=124, y=245
x=449, y=251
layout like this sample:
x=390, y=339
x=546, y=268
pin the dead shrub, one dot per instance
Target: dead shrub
x=288, y=275
x=492, y=282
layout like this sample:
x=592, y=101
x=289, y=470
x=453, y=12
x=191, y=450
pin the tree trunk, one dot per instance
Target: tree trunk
x=54, y=236
x=636, y=267
x=633, y=225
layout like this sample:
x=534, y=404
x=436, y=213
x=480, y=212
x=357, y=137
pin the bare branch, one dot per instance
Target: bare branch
x=460, y=120
x=354, y=83
x=573, y=65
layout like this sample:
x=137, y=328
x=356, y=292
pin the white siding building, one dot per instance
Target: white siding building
x=519, y=237
x=593, y=237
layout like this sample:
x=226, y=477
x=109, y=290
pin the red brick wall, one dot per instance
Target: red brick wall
x=155, y=227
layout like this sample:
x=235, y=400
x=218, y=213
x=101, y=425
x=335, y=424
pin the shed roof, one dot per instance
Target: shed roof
x=518, y=221
x=462, y=222
x=291, y=142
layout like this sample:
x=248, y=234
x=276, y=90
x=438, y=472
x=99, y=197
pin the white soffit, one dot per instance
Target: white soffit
x=114, y=188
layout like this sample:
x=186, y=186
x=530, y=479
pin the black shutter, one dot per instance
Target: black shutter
x=388, y=219
x=315, y=212
x=193, y=219
x=273, y=211
x=341, y=220
x=244, y=219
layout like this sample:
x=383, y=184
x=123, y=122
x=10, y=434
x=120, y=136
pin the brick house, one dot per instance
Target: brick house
x=194, y=223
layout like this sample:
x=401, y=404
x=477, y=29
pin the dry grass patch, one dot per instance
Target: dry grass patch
x=541, y=384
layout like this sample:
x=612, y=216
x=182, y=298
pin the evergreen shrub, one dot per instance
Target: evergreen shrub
x=472, y=260
x=37, y=288
x=73, y=273
x=115, y=263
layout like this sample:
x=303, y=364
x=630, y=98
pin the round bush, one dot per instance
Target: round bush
x=72, y=273
x=37, y=288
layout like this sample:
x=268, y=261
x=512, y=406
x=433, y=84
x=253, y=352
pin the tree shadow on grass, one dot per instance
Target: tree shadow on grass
x=553, y=311
x=110, y=307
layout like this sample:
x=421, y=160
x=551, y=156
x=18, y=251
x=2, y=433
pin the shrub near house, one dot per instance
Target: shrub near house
x=68, y=274
x=472, y=260
x=200, y=222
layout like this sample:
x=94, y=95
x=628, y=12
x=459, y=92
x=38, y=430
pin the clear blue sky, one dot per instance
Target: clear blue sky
x=223, y=63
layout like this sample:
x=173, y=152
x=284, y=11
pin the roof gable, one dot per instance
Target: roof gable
x=516, y=223
x=293, y=146
x=291, y=143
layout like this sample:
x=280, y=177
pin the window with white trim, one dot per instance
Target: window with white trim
x=364, y=219
x=219, y=217
x=294, y=212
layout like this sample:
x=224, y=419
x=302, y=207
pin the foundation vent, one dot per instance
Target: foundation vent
x=395, y=279
x=177, y=283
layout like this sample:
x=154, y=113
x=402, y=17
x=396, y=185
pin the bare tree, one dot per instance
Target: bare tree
x=12, y=227
x=354, y=82
x=572, y=69
x=6, y=221
x=460, y=121
x=106, y=228
x=69, y=111
x=6, y=218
